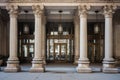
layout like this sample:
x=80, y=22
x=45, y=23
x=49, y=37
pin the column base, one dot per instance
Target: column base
x=109, y=67
x=12, y=66
x=83, y=67
x=37, y=66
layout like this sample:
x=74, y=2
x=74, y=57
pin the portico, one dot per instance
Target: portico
x=47, y=43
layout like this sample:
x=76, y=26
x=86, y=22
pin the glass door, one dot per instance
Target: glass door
x=60, y=52
x=26, y=50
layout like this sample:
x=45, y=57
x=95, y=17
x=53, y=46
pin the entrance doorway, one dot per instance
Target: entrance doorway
x=60, y=46
x=60, y=52
x=95, y=43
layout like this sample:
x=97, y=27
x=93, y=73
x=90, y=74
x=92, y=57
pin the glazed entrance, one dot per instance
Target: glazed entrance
x=60, y=45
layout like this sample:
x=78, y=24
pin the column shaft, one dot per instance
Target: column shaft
x=77, y=39
x=13, y=63
x=43, y=39
x=83, y=38
x=108, y=39
x=108, y=61
x=83, y=63
x=38, y=37
x=37, y=63
x=13, y=38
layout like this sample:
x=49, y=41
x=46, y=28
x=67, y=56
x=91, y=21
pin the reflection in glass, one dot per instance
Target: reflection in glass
x=25, y=50
x=31, y=50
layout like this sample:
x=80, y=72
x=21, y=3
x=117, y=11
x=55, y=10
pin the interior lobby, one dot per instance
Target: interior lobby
x=82, y=33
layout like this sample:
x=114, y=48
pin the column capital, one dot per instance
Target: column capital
x=38, y=9
x=13, y=10
x=82, y=10
x=109, y=10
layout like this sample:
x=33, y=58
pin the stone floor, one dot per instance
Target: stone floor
x=58, y=72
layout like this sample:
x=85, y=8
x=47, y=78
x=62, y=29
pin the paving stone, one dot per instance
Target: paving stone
x=58, y=72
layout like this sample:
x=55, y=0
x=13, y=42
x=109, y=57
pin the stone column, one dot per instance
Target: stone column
x=108, y=61
x=37, y=63
x=44, y=39
x=77, y=38
x=83, y=63
x=13, y=62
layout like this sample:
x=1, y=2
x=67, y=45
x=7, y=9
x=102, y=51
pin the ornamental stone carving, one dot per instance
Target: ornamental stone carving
x=109, y=10
x=13, y=10
x=82, y=10
x=38, y=9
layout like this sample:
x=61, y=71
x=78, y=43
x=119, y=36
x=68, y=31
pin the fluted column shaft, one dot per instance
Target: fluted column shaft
x=83, y=63
x=108, y=61
x=13, y=63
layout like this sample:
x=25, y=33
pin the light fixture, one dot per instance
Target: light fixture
x=96, y=26
x=26, y=27
x=60, y=28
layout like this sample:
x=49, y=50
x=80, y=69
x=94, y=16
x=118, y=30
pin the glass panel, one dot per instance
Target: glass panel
x=55, y=33
x=51, y=47
x=56, y=40
x=31, y=40
x=68, y=49
x=31, y=50
x=57, y=52
x=63, y=52
x=62, y=41
x=25, y=50
x=52, y=33
x=48, y=49
x=65, y=33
